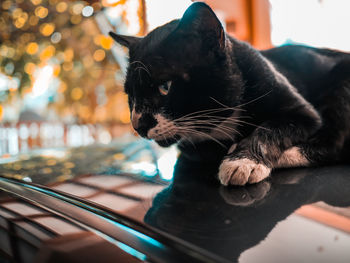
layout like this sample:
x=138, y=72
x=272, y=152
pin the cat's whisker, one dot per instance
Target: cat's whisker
x=194, y=131
x=214, y=122
x=254, y=100
x=217, y=129
x=224, y=128
x=234, y=120
x=208, y=111
x=218, y=102
x=143, y=66
x=207, y=118
x=140, y=62
x=252, y=124
x=143, y=69
x=239, y=106
x=206, y=114
x=202, y=133
x=211, y=124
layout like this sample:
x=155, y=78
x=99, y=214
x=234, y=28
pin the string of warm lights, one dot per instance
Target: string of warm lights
x=53, y=51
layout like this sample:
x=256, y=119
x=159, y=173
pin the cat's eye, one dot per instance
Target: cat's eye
x=165, y=88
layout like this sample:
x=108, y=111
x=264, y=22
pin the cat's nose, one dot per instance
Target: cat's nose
x=141, y=129
x=143, y=124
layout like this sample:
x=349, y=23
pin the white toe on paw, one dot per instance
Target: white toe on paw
x=242, y=171
x=292, y=157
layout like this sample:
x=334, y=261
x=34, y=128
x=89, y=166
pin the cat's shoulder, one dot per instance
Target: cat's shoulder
x=299, y=58
x=303, y=51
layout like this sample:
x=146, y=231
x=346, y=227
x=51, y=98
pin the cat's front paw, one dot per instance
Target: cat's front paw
x=242, y=171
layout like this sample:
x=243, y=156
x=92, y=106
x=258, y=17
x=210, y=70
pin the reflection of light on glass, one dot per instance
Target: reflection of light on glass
x=160, y=12
x=58, y=134
x=146, y=168
x=23, y=135
x=132, y=251
x=46, y=134
x=313, y=22
x=23, y=132
x=42, y=81
x=33, y=130
x=74, y=136
x=87, y=138
x=134, y=232
x=166, y=163
x=104, y=137
x=13, y=140
x=142, y=236
x=53, y=153
x=27, y=179
x=121, y=245
x=3, y=143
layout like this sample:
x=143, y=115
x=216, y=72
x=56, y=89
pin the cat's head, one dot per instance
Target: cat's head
x=179, y=78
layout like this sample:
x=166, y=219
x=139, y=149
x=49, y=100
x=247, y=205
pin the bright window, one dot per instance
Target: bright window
x=160, y=12
x=319, y=23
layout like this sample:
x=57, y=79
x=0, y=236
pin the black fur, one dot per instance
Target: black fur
x=287, y=96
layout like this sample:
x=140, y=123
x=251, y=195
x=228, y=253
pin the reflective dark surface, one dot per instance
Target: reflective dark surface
x=47, y=166
x=230, y=220
x=31, y=233
x=297, y=215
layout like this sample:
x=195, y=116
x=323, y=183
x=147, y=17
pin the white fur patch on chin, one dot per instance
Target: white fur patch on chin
x=163, y=130
x=242, y=171
x=292, y=157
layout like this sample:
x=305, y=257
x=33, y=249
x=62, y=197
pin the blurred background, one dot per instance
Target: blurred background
x=61, y=75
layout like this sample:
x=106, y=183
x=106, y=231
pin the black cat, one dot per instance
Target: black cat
x=191, y=83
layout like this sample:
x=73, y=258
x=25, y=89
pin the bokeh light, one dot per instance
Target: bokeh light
x=53, y=61
x=29, y=68
x=47, y=29
x=36, y=2
x=56, y=37
x=41, y=12
x=88, y=11
x=47, y=53
x=99, y=55
x=77, y=93
x=61, y=7
x=32, y=48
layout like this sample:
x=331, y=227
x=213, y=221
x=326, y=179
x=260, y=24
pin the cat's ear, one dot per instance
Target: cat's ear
x=200, y=17
x=126, y=41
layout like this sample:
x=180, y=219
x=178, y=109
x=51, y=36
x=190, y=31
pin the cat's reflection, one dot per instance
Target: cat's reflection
x=229, y=220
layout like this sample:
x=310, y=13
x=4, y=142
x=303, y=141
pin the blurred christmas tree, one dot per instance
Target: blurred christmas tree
x=53, y=51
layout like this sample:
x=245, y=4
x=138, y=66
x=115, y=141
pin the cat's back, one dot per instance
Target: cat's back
x=300, y=57
x=307, y=68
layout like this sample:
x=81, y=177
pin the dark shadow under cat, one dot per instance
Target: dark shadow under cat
x=190, y=83
x=229, y=220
